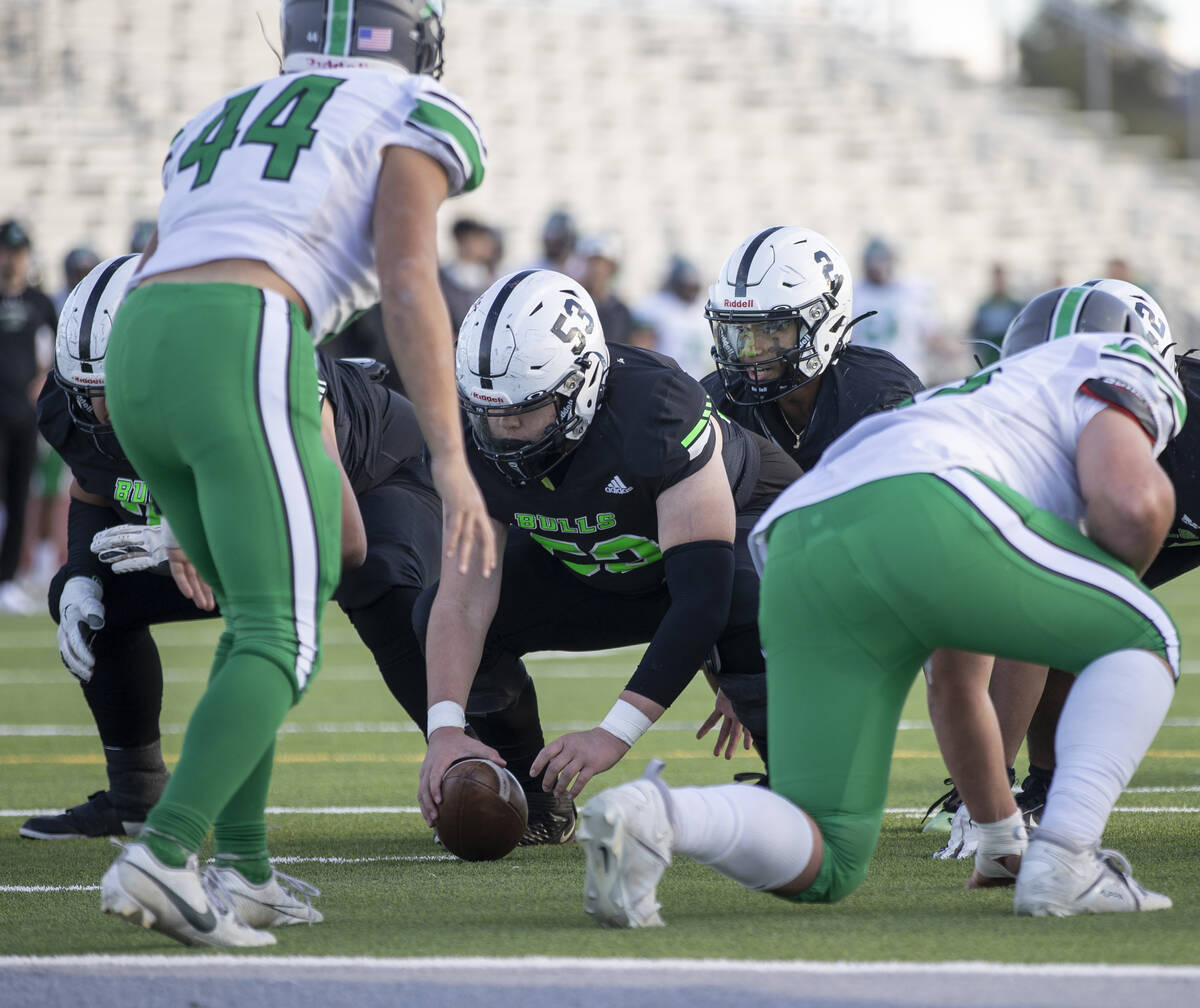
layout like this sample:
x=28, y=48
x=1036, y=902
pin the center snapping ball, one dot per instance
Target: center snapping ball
x=483, y=811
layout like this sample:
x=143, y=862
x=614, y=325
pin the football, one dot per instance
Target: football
x=483, y=811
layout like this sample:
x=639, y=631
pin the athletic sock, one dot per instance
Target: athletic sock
x=514, y=732
x=1112, y=713
x=136, y=776
x=750, y=834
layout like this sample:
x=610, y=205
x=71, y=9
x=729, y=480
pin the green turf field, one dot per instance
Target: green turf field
x=344, y=818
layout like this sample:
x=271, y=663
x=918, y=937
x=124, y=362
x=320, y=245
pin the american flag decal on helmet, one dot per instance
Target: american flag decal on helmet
x=374, y=39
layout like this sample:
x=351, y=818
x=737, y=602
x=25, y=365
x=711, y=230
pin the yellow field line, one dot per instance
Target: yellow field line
x=97, y=759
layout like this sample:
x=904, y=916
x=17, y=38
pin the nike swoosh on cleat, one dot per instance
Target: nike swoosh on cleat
x=205, y=923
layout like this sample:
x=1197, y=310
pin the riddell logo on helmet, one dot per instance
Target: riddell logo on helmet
x=739, y=303
x=480, y=397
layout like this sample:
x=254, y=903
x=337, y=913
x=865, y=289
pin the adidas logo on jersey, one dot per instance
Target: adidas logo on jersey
x=616, y=485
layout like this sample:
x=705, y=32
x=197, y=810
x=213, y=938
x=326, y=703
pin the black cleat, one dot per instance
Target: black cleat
x=551, y=820
x=1032, y=798
x=96, y=817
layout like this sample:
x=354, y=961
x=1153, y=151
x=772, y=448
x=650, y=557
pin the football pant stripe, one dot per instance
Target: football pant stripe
x=1011, y=527
x=273, y=382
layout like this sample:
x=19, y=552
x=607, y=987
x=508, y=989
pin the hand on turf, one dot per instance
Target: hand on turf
x=80, y=615
x=131, y=547
x=466, y=525
x=189, y=581
x=731, y=728
x=446, y=745
x=578, y=757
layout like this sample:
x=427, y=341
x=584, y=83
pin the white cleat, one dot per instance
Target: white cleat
x=1059, y=881
x=173, y=901
x=964, y=838
x=626, y=834
x=280, y=901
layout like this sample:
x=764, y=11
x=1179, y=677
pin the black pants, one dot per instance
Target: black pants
x=18, y=456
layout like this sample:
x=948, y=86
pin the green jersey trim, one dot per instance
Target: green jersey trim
x=446, y=126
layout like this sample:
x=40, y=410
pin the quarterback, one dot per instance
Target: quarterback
x=982, y=482
x=289, y=205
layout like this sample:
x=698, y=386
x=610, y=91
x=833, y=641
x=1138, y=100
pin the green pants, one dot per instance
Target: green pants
x=857, y=592
x=213, y=394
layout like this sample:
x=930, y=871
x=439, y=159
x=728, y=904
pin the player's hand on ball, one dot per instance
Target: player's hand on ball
x=577, y=757
x=446, y=745
x=731, y=728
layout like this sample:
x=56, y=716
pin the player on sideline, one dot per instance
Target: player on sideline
x=617, y=493
x=106, y=597
x=900, y=542
x=781, y=313
x=289, y=206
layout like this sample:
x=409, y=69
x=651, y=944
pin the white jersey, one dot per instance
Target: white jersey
x=286, y=171
x=1017, y=422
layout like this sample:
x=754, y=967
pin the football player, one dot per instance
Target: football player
x=623, y=501
x=781, y=314
x=110, y=592
x=1030, y=697
x=951, y=523
x=289, y=206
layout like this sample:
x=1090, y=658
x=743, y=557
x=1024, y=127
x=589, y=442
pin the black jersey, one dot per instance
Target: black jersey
x=377, y=430
x=597, y=510
x=860, y=381
x=377, y=436
x=1181, y=459
x=22, y=317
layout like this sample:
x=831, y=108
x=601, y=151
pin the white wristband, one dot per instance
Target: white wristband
x=626, y=722
x=444, y=714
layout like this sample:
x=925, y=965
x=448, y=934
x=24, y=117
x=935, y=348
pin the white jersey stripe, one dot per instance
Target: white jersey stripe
x=272, y=382
x=1012, y=528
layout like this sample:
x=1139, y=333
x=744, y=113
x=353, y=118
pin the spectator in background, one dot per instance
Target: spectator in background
x=675, y=315
x=992, y=317
x=79, y=262
x=903, y=322
x=27, y=324
x=600, y=255
x=140, y=235
x=559, y=235
x=472, y=270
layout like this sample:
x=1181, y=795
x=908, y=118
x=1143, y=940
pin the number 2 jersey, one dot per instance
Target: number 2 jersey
x=597, y=510
x=286, y=172
x=1017, y=421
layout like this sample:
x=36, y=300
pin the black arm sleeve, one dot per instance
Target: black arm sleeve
x=700, y=580
x=83, y=522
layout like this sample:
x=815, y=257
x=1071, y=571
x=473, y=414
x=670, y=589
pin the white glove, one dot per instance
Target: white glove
x=81, y=614
x=131, y=547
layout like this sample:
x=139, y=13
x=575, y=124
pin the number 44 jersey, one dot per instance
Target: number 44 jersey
x=1017, y=422
x=286, y=172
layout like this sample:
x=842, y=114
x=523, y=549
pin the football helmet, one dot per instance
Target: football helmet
x=82, y=341
x=533, y=338
x=1065, y=311
x=362, y=34
x=780, y=311
x=1154, y=319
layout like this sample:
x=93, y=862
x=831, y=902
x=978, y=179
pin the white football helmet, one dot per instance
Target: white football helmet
x=82, y=341
x=780, y=311
x=532, y=338
x=362, y=34
x=1153, y=318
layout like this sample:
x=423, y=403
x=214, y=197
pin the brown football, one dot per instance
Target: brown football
x=483, y=811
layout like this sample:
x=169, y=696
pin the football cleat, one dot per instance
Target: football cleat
x=173, y=901
x=941, y=820
x=626, y=835
x=1032, y=798
x=551, y=819
x=280, y=901
x=95, y=817
x=1057, y=880
x=963, y=840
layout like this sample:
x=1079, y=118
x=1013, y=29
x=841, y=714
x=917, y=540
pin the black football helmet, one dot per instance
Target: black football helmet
x=1065, y=311
x=336, y=34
